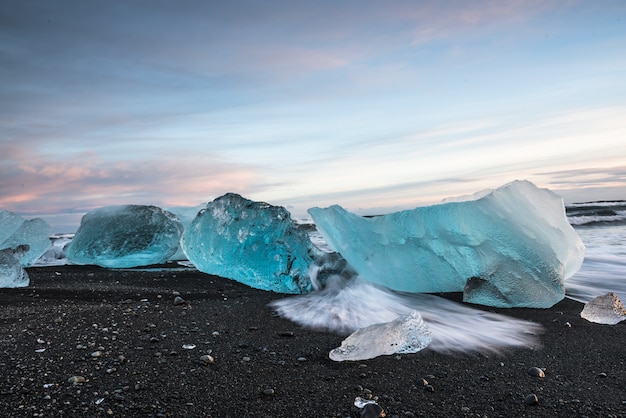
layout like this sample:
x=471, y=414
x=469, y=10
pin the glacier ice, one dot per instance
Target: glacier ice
x=251, y=242
x=510, y=247
x=15, y=231
x=606, y=309
x=36, y=234
x=405, y=334
x=12, y=274
x=125, y=236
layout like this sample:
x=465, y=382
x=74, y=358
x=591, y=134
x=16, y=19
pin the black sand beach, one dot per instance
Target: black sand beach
x=122, y=337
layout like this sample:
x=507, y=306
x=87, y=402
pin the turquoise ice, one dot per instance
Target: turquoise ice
x=510, y=247
x=125, y=236
x=254, y=243
x=15, y=231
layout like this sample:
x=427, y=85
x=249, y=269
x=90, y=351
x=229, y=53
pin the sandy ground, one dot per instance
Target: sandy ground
x=86, y=341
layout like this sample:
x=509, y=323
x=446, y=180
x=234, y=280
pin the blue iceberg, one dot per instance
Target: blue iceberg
x=12, y=274
x=510, y=247
x=251, y=242
x=125, y=236
x=34, y=233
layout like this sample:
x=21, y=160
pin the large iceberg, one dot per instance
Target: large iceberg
x=12, y=274
x=34, y=233
x=125, y=236
x=251, y=242
x=510, y=247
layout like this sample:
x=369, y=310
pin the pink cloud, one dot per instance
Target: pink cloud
x=35, y=185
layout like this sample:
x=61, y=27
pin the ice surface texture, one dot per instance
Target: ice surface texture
x=125, y=236
x=511, y=247
x=405, y=334
x=11, y=272
x=251, y=242
x=15, y=231
x=606, y=309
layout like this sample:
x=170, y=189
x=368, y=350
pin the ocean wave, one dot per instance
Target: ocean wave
x=347, y=304
x=596, y=213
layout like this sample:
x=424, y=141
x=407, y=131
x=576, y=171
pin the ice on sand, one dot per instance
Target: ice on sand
x=606, y=309
x=125, y=236
x=11, y=272
x=251, y=242
x=510, y=247
x=34, y=233
x=405, y=334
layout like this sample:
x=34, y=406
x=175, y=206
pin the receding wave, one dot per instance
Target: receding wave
x=346, y=304
x=596, y=213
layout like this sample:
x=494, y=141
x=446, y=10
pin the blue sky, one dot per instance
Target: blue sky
x=376, y=106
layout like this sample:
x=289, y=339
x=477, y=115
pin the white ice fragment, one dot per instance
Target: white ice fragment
x=360, y=402
x=125, y=236
x=406, y=334
x=510, y=247
x=606, y=309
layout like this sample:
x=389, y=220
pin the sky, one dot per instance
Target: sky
x=376, y=106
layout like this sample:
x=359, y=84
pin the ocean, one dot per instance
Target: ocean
x=602, y=228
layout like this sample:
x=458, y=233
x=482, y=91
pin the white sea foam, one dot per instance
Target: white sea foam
x=604, y=268
x=347, y=304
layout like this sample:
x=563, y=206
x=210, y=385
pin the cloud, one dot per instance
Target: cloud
x=34, y=183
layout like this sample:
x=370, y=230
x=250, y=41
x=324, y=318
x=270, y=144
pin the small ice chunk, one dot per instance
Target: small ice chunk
x=15, y=231
x=606, y=309
x=125, y=236
x=11, y=272
x=36, y=234
x=406, y=334
x=253, y=243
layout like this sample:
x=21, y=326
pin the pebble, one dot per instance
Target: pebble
x=269, y=392
x=536, y=371
x=602, y=374
x=76, y=379
x=207, y=359
x=301, y=359
x=96, y=354
x=179, y=301
x=531, y=399
x=372, y=410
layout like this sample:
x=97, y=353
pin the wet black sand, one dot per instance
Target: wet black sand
x=266, y=366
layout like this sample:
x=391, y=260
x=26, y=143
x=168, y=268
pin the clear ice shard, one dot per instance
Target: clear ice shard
x=251, y=242
x=406, y=334
x=125, y=236
x=15, y=231
x=11, y=272
x=606, y=309
x=509, y=247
